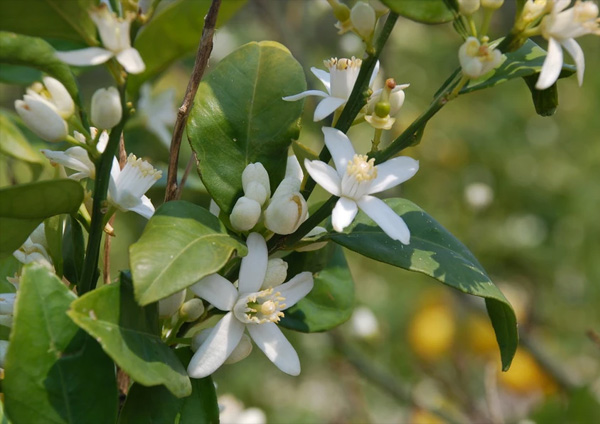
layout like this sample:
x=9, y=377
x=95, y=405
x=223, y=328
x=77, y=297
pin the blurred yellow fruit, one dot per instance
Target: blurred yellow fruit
x=480, y=335
x=420, y=416
x=431, y=331
x=526, y=376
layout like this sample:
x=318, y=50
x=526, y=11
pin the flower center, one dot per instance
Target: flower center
x=343, y=63
x=362, y=168
x=259, y=308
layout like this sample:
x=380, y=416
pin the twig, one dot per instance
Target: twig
x=188, y=168
x=202, y=55
x=398, y=391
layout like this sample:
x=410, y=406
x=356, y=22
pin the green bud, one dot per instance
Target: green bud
x=191, y=310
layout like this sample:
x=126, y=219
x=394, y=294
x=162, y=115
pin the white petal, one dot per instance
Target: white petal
x=386, y=218
x=216, y=349
x=254, y=265
x=577, y=54
x=340, y=147
x=343, y=213
x=85, y=57
x=323, y=76
x=278, y=349
x=296, y=289
x=217, y=290
x=305, y=94
x=131, y=61
x=326, y=107
x=324, y=175
x=551, y=67
x=293, y=168
x=374, y=74
x=393, y=172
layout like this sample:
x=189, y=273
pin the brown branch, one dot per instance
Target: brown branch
x=202, y=55
x=193, y=159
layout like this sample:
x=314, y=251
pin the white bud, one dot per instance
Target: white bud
x=241, y=351
x=468, y=7
x=60, y=97
x=41, y=117
x=169, y=305
x=363, y=19
x=276, y=273
x=364, y=323
x=492, y=4
x=245, y=214
x=106, y=108
x=533, y=9
x=256, y=191
x=191, y=310
x=287, y=186
x=256, y=172
x=293, y=168
x=285, y=213
x=379, y=8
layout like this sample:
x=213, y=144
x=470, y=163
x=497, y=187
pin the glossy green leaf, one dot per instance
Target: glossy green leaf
x=158, y=405
x=525, y=61
x=55, y=373
x=14, y=144
x=129, y=334
x=49, y=18
x=425, y=11
x=9, y=266
x=544, y=101
x=331, y=301
x=24, y=207
x=174, y=32
x=53, y=229
x=239, y=117
x=435, y=252
x=19, y=75
x=16, y=49
x=181, y=244
x=73, y=250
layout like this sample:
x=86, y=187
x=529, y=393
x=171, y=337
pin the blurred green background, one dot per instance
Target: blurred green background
x=520, y=190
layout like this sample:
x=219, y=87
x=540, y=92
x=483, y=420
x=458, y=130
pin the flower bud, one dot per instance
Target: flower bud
x=169, y=305
x=276, y=273
x=41, y=117
x=241, y=351
x=256, y=172
x=288, y=185
x=533, y=9
x=468, y=7
x=106, y=108
x=293, y=168
x=342, y=14
x=256, y=191
x=379, y=8
x=492, y=4
x=363, y=19
x=191, y=310
x=285, y=213
x=60, y=97
x=245, y=214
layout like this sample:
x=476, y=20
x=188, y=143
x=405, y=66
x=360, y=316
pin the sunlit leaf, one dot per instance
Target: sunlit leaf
x=14, y=144
x=425, y=11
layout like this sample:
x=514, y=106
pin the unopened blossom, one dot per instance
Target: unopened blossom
x=54, y=92
x=250, y=306
x=468, y=7
x=355, y=178
x=248, y=209
x=339, y=82
x=106, y=108
x=287, y=209
x=342, y=14
x=363, y=19
x=492, y=4
x=114, y=33
x=126, y=187
x=560, y=28
x=35, y=249
x=477, y=58
x=380, y=8
x=77, y=158
x=42, y=117
x=158, y=112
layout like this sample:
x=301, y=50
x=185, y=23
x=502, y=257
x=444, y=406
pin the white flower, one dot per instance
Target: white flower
x=114, y=33
x=339, y=83
x=35, y=249
x=53, y=91
x=477, y=59
x=232, y=411
x=158, y=112
x=356, y=178
x=77, y=158
x=560, y=28
x=42, y=117
x=250, y=306
x=106, y=108
x=126, y=187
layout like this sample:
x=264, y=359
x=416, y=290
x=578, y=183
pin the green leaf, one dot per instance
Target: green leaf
x=16, y=49
x=129, y=334
x=544, y=101
x=53, y=229
x=331, y=301
x=14, y=144
x=49, y=18
x=55, y=373
x=525, y=61
x=173, y=33
x=181, y=244
x=239, y=118
x=158, y=405
x=24, y=207
x=19, y=75
x=435, y=252
x=9, y=266
x=73, y=250
x=427, y=12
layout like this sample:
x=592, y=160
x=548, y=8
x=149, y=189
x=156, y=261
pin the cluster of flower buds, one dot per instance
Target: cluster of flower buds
x=361, y=19
x=284, y=212
x=45, y=108
x=478, y=58
x=384, y=104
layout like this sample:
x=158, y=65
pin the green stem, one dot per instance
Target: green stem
x=376, y=140
x=487, y=18
x=89, y=275
x=472, y=26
